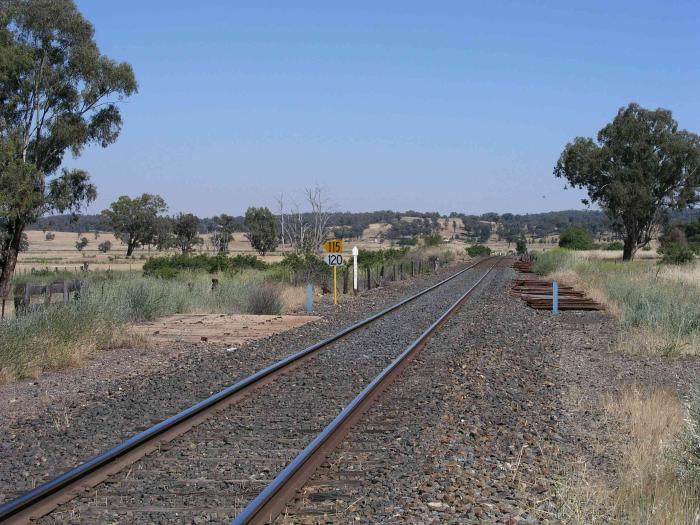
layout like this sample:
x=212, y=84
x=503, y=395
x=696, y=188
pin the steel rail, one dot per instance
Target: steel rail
x=273, y=499
x=46, y=497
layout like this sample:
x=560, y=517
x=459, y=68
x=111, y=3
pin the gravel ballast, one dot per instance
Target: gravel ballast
x=77, y=418
x=482, y=427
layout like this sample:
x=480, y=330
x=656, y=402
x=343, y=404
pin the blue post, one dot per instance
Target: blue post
x=555, y=298
x=309, y=299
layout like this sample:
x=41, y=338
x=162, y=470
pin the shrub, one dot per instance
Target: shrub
x=406, y=242
x=81, y=244
x=576, y=238
x=478, y=249
x=105, y=246
x=521, y=247
x=168, y=267
x=676, y=253
x=432, y=240
x=264, y=299
x=614, y=246
x=50, y=236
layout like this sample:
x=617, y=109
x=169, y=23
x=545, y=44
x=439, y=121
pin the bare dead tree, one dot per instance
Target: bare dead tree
x=281, y=213
x=320, y=214
x=306, y=231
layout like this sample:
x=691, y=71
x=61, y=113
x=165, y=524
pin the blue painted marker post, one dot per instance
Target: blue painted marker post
x=309, y=299
x=555, y=298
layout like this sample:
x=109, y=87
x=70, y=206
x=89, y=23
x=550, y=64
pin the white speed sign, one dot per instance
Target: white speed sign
x=333, y=259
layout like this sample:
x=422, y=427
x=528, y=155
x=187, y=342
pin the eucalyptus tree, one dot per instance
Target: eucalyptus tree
x=186, y=230
x=58, y=93
x=262, y=229
x=136, y=221
x=640, y=166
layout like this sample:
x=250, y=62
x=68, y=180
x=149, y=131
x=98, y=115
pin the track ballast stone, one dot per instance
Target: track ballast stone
x=215, y=469
x=471, y=433
x=79, y=418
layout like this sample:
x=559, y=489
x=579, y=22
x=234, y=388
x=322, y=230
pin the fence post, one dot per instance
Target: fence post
x=2, y=313
x=26, y=299
x=346, y=274
x=413, y=268
x=369, y=279
x=65, y=291
x=393, y=277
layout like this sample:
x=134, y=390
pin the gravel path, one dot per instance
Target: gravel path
x=220, y=465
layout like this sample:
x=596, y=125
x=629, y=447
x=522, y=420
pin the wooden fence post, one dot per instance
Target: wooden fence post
x=65, y=292
x=413, y=268
x=369, y=279
x=393, y=273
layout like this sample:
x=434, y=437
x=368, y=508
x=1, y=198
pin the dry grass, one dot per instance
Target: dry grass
x=647, y=487
x=293, y=298
x=687, y=273
x=657, y=309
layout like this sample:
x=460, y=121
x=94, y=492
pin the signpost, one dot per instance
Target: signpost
x=355, y=253
x=334, y=258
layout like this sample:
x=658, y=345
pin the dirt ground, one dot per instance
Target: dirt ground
x=218, y=329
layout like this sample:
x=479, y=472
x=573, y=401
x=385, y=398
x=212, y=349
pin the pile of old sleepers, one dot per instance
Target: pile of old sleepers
x=537, y=293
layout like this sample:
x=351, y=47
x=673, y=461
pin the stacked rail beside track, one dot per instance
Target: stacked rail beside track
x=48, y=496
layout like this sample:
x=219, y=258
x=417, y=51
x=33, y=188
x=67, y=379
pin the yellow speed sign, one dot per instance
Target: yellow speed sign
x=333, y=246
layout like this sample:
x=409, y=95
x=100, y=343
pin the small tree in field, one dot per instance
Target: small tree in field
x=576, y=238
x=134, y=221
x=640, y=166
x=104, y=246
x=81, y=244
x=521, y=246
x=186, y=230
x=58, y=93
x=262, y=229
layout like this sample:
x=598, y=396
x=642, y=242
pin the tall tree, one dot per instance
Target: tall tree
x=640, y=166
x=57, y=93
x=186, y=230
x=262, y=229
x=135, y=221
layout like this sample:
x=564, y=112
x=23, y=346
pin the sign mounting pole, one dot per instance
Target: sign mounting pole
x=335, y=285
x=355, y=253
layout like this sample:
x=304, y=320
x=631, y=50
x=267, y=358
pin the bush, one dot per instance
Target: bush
x=264, y=299
x=478, y=249
x=614, y=246
x=406, y=242
x=676, y=253
x=169, y=267
x=521, y=247
x=432, y=240
x=576, y=238
x=81, y=244
x=105, y=246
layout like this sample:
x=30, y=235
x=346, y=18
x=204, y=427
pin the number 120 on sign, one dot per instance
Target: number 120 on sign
x=333, y=259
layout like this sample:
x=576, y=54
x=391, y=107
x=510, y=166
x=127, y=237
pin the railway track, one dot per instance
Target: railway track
x=225, y=463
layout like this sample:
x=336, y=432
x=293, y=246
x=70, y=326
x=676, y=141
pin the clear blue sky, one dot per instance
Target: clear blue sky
x=443, y=106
